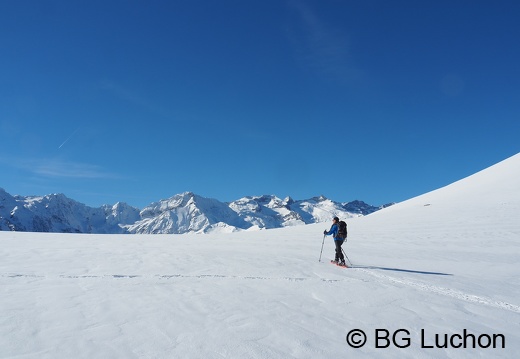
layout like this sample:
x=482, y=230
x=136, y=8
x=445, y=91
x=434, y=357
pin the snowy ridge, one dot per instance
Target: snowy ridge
x=182, y=213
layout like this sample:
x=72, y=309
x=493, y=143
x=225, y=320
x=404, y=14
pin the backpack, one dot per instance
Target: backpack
x=342, y=230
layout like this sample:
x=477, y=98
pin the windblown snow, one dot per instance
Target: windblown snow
x=439, y=270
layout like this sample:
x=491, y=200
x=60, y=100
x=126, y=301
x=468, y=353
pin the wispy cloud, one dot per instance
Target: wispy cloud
x=58, y=168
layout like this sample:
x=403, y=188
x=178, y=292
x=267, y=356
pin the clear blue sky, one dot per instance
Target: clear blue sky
x=136, y=101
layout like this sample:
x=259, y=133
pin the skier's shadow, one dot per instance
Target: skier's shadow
x=400, y=270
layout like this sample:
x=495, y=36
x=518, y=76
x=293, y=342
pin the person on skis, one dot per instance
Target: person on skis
x=338, y=241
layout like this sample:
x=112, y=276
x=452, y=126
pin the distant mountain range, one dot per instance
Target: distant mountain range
x=182, y=213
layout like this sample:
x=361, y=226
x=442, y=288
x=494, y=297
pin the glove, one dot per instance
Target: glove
x=325, y=232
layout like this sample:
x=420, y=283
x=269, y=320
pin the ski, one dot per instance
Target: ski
x=338, y=265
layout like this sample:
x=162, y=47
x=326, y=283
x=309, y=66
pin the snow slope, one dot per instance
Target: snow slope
x=438, y=264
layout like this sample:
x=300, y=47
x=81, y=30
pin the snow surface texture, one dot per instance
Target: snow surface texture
x=440, y=263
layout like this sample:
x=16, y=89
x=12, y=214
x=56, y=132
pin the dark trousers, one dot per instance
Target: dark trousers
x=339, y=252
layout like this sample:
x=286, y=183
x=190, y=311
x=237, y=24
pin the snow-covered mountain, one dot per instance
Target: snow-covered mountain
x=273, y=212
x=182, y=213
x=57, y=213
x=187, y=212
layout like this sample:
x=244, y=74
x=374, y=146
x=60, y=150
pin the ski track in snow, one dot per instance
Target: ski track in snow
x=409, y=283
x=444, y=291
x=166, y=276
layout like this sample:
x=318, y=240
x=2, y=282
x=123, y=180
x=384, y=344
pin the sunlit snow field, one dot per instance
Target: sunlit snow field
x=435, y=266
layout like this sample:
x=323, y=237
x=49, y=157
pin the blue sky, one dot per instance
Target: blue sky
x=136, y=101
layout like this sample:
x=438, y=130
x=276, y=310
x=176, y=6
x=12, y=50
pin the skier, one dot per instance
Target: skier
x=338, y=241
